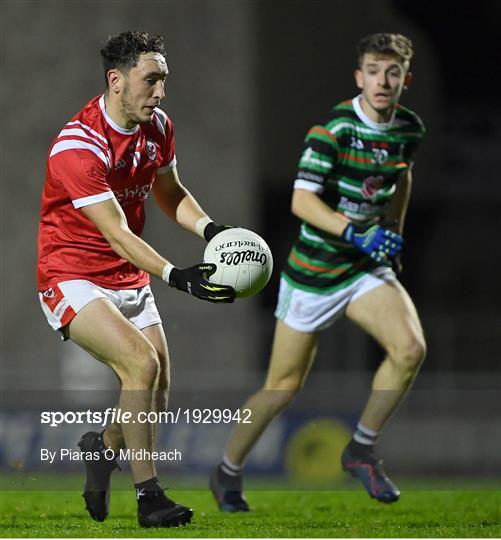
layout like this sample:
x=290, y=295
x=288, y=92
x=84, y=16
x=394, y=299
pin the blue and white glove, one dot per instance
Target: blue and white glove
x=377, y=242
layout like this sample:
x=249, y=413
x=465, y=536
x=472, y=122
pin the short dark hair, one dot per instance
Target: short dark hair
x=392, y=44
x=123, y=51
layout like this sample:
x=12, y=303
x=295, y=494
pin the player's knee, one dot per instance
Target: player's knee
x=149, y=369
x=411, y=353
x=142, y=369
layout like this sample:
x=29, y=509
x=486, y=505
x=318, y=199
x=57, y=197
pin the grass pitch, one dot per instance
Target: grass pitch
x=306, y=514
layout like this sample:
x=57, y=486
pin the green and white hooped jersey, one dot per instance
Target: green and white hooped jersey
x=352, y=163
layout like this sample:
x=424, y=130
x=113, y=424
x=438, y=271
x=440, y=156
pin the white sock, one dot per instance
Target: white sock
x=230, y=468
x=365, y=435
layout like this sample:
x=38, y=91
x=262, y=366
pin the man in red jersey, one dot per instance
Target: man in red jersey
x=93, y=268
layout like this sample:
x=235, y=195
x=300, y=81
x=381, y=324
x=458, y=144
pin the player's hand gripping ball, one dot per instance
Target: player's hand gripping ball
x=244, y=260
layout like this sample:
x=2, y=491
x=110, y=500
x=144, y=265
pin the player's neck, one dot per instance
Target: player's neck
x=114, y=111
x=380, y=117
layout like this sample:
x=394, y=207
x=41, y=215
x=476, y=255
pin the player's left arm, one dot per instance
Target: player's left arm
x=180, y=205
x=399, y=202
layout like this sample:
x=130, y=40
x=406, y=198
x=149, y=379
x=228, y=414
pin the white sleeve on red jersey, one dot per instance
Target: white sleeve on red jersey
x=164, y=124
x=79, y=160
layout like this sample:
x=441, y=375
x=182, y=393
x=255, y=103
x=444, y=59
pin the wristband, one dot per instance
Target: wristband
x=166, y=271
x=201, y=224
x=348, y=232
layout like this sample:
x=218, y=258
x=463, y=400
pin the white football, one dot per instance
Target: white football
x=244, y=261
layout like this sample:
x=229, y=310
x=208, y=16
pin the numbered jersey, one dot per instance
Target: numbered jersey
x=352, y=163
x=90, y=161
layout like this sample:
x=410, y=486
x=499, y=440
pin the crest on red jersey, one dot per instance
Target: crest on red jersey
x=151, y=149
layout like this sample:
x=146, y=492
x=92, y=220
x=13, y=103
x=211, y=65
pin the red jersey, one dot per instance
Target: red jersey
x=92, y=160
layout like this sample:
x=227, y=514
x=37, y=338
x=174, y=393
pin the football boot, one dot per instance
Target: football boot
x=99, y=468
x=227, y=490
x=155, y=509
x=370, y=471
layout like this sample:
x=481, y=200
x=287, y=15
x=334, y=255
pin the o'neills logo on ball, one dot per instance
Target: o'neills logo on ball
x=237, y=257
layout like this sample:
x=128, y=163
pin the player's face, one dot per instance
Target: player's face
x=381, y=79
x=143, y=88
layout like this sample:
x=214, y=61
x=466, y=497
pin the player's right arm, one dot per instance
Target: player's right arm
x=316, y=164
x=375, y=241
x=309, y=207
x=110, y=219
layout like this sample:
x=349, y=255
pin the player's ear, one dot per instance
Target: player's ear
x=359, y=79
x=407, y=80
x=114, y=80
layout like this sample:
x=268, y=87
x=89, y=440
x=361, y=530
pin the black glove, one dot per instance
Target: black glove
x=193, y=280
x=211, y=229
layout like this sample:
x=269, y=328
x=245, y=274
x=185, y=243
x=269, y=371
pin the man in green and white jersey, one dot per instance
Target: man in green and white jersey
x=352, y=192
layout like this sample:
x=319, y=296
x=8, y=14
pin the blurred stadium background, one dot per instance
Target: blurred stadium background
x=247, y=80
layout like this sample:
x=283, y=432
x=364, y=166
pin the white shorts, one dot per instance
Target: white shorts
x=310, y=312
x=62, y=302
